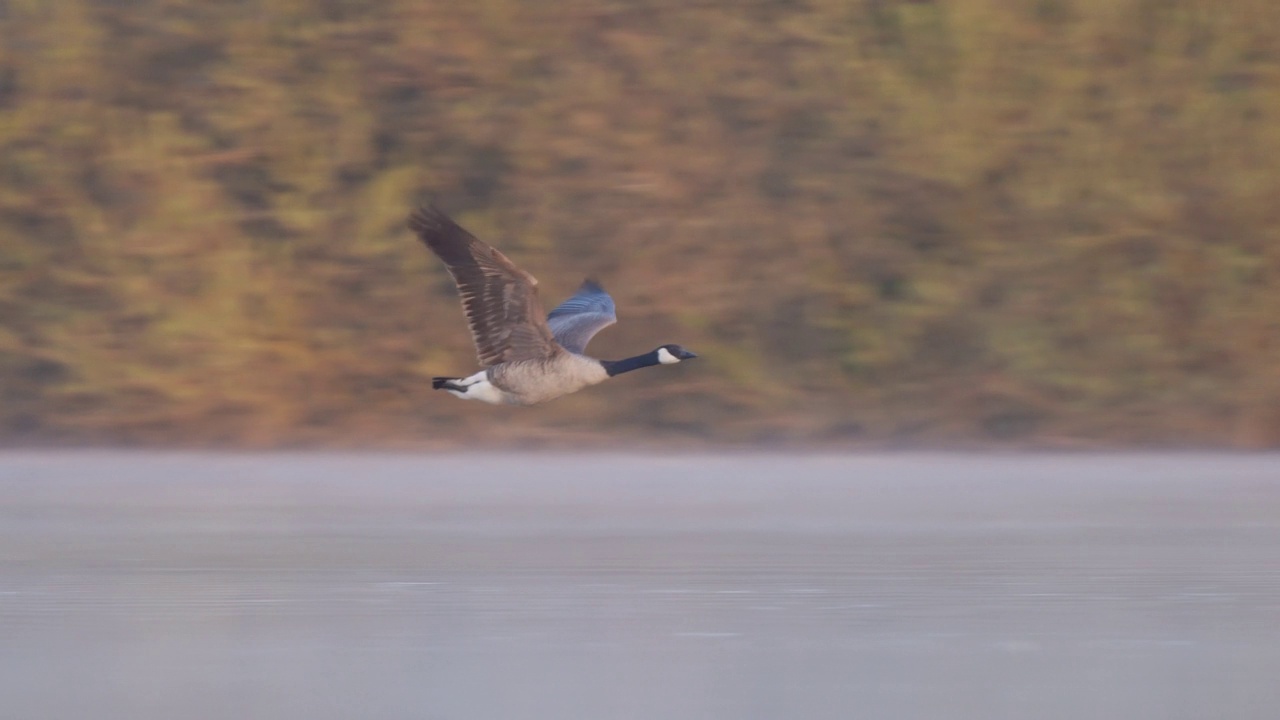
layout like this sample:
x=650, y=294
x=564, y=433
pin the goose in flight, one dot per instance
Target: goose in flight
x=528, y=358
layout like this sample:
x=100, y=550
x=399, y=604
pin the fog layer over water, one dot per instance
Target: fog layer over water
x=618, y=586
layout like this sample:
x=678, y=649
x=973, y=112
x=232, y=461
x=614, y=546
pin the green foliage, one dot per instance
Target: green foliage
x=889, y=221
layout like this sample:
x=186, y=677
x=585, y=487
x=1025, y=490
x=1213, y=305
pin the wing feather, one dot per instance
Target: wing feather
x=500, y=300
x=575, y=321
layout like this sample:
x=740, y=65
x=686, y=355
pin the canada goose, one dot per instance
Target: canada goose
x=528, y=358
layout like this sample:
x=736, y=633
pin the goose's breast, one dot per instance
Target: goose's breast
x=536, y=381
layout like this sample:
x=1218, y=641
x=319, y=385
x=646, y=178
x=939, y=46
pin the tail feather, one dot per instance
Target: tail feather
x=442, y=383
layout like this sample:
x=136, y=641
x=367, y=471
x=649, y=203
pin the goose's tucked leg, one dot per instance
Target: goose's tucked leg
x=475, y=387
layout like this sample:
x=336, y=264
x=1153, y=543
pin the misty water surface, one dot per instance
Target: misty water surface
x=552, y=587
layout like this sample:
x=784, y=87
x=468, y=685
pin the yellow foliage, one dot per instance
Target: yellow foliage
x=977, y=222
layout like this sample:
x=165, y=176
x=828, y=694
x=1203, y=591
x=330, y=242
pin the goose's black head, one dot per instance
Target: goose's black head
x=671, y=354
x=665, y=355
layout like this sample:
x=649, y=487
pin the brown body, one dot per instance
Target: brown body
x=529, y=357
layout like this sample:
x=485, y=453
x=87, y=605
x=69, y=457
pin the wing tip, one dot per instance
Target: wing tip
x=428, y=218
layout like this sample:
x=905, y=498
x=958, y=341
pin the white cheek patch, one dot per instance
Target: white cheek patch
x=666, y=358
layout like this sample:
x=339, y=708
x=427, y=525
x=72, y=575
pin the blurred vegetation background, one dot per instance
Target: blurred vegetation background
x=1030, y=223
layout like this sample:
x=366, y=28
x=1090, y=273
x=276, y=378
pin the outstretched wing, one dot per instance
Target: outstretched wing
x=579, y=318
x=499, y=299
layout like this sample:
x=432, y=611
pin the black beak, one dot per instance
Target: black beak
x=688, y=355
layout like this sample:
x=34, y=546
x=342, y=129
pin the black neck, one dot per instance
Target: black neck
x=617, y=367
